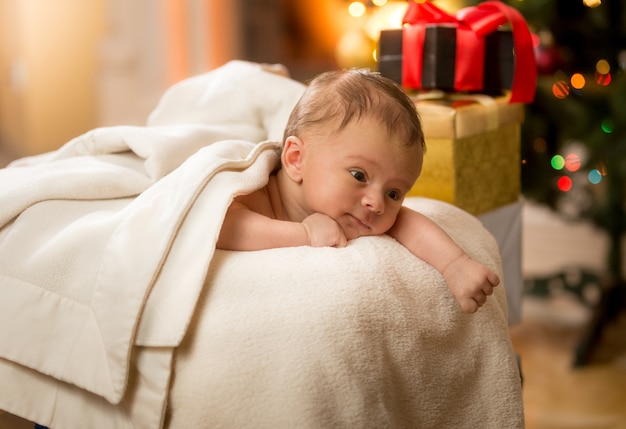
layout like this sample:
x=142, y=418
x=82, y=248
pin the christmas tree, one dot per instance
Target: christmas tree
x=574, y=136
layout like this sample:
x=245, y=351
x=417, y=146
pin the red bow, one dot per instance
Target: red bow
x=473, y=24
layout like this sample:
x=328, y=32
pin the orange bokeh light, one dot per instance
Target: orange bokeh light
x=578, y=81
x=560, y=89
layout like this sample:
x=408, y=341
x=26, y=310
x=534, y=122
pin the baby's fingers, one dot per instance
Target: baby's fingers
x=342, y=241
x=469, y=305
x=487, y=290
x=474, y=301
x=493, y=278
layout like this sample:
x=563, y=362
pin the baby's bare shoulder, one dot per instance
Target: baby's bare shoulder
x=257, y=201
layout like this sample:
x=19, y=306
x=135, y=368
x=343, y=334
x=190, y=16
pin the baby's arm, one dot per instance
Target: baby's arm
x=469, y=281
x=244, y=229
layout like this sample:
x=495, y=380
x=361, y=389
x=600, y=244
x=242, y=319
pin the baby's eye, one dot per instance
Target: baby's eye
x=394, y=195
x=358, y=175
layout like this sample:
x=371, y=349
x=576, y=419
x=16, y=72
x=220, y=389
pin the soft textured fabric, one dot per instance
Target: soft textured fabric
x=365, y=336
x=107, y=244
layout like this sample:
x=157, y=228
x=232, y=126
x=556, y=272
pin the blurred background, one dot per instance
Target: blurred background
x=69, y=66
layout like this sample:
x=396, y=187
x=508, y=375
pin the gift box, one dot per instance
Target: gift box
x=473, y=152
x=438, y=60
x=468, y=52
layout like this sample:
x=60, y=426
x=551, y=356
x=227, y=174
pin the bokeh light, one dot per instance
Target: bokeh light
x=603, y=67
x=594, y=177
x=603, y=79
x=572, y=162
x=578, y=81
x=607, y=126
x=560, y=89
x=592, y=3
x=557, y=162
x=384, y=17
x=356, y=9
x=564, y=183
x=540, y=145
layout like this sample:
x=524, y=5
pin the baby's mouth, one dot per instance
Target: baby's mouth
x=360, y=223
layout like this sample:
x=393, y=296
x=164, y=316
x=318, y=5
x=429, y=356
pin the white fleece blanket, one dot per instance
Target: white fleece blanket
x=365, y=336
x=106, y=242
x=105, y=246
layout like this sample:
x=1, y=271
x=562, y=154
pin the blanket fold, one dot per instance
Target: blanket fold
x=89, y=230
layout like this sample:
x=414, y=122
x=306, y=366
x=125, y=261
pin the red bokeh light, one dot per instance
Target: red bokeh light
x=564, y=183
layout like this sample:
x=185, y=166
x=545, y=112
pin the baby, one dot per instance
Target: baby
x=353, y=148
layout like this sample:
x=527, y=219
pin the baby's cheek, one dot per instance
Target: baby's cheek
x=385, y=224
x=351, y=232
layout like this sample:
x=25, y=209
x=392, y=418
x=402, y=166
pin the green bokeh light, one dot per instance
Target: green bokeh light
x=557, y=162
x=608, y=126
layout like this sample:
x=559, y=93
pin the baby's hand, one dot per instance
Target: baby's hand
x=324, y=231
x=470, y=282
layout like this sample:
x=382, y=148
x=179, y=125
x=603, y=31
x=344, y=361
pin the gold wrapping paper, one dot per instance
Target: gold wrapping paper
x=473, y=155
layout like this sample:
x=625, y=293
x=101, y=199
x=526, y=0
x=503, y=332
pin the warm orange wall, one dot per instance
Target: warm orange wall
x=323, y=21
x=55, y=48
x=220, y=28
x=220, y=34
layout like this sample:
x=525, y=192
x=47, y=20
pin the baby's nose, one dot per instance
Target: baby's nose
x=374, y=202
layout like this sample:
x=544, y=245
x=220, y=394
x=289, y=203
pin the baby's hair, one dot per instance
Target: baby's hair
x=341, y=96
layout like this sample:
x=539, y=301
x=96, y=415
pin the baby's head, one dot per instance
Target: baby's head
x=334, y=99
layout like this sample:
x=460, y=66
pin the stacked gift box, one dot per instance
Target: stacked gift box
x=473, y=151
x=473, y=161
x=473, y=140
x=482, y=49
x=439, y=58
x=470, y=75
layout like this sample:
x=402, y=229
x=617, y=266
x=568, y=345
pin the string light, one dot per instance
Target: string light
x=578, y=81
x=557, y=162
x=356, y=9
x=572, y=162
x=560, y=89
x=603, y=67
x=564, y=183
x=540, y=145
x=607, y=126
x=603, y=73
x=603, y=79
x=594, y=176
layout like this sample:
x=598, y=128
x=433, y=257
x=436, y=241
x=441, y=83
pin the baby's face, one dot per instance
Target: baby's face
x=359, y=177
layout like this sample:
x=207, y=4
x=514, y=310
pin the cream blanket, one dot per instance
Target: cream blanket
x=105, y=246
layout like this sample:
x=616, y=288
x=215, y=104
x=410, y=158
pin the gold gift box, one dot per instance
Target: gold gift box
x=473, y=151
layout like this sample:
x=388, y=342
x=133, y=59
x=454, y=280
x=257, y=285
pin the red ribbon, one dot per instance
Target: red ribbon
x=473, y=24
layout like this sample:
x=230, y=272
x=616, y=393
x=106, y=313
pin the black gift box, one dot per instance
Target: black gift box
x=390, y=54
x=438, y=61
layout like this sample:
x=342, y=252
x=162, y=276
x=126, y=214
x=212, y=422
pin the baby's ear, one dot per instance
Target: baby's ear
x=292, y=157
